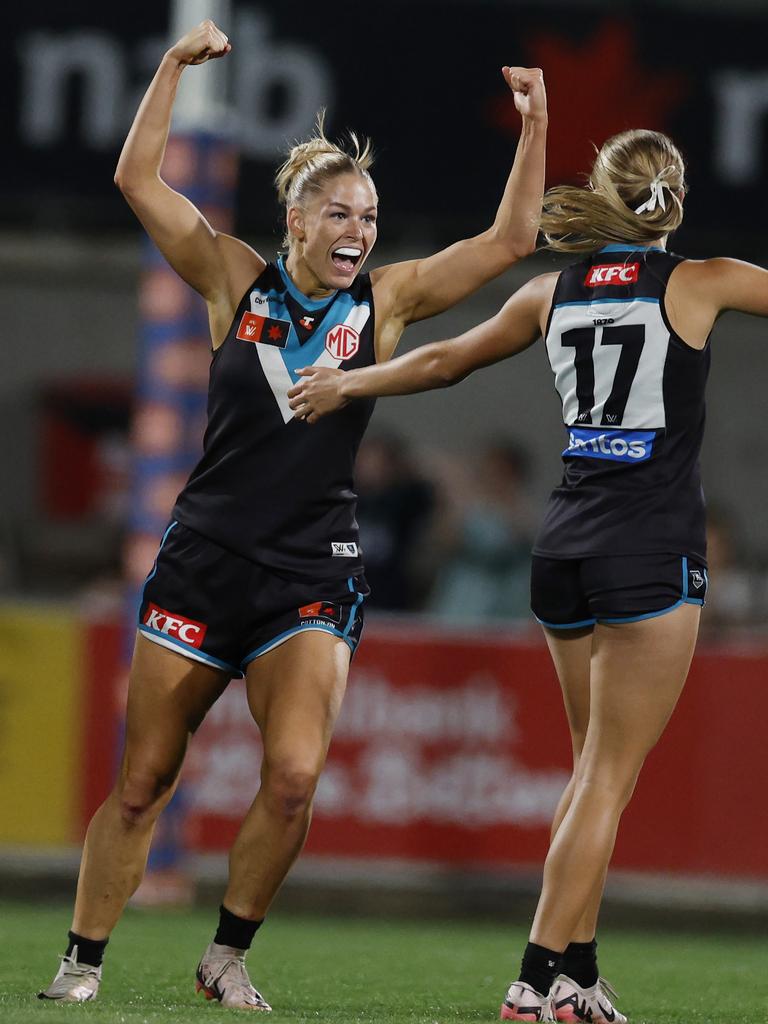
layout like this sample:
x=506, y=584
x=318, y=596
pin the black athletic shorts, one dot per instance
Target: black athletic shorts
x=224, y=610
x=570, y=592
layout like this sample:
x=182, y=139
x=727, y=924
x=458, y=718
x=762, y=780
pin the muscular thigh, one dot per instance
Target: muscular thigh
x=637, y=674
x=295, y=693
x=571, y=652
x=168, y=697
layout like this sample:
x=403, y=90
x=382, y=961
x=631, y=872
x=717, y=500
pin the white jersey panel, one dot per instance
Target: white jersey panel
x=585, y=388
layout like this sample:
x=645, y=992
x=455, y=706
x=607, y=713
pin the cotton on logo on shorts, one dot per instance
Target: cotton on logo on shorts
x=186, y=630
x=342, y=341
x=612, y=273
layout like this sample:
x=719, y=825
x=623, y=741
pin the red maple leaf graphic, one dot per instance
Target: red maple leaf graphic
x=275, y=333
x=594, y=90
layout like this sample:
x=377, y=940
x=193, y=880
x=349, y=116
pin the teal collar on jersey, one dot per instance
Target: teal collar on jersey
x=300, y=297
x=631, y=248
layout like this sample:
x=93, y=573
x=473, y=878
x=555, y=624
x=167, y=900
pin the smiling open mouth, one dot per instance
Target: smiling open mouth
x=346, y=258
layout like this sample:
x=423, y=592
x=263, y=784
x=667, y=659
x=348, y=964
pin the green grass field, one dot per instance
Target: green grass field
x=345, y=971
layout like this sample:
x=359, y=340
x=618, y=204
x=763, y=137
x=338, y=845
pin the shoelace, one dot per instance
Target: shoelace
x=609, y=990
x=241, y=978
x=239, y=965
x=84, y=970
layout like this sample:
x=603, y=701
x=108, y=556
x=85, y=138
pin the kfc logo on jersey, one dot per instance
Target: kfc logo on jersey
x=187, y=630
x=612, y=273
x=342, y=342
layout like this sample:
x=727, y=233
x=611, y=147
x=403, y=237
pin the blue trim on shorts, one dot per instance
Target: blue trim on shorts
x=355, y=606
x=684, y=599
x=183, y=648
x=291, y=632
x=565, y=625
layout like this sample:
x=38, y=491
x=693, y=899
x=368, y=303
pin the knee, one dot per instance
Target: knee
x=142, y=794
x=610, y=786
x=289, y=789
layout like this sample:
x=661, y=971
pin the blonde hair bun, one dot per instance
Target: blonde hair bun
x=310, y=164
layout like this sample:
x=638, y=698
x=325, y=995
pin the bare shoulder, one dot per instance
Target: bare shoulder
x=722, y=283
x=242, y=265
x=537, y=295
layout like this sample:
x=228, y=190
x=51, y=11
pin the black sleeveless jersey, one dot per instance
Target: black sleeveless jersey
x=633, y=406
x=269, y=487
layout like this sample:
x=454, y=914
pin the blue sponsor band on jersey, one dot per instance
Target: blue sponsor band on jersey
x=608, y=301
x=616, y=445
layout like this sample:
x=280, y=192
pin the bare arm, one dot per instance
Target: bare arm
x=216, y=265
x=440, y=364
x=700, y=290
x=417, y=289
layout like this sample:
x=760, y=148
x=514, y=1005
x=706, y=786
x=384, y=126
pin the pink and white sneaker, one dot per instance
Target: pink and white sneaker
x=572, y=1003
x=524, y=1003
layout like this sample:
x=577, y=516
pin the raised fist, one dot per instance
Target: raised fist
x=201, y=44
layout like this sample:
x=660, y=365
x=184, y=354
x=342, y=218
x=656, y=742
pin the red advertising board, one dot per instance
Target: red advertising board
x=454, y=750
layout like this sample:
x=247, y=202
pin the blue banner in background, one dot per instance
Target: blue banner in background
x=174, y=356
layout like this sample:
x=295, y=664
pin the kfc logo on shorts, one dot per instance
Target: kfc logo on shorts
x=342, y=342
x=612, y=273
x=187, y=630
x=321, y=610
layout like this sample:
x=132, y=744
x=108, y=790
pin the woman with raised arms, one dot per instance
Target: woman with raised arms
x=260, y=572
x=619, y=565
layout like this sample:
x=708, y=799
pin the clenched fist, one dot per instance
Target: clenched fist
x=203, y=43
x=527, y=85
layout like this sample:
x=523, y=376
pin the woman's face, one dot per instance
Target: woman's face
x=337, y=229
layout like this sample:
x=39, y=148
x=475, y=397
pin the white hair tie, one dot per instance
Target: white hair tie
x=657, y=191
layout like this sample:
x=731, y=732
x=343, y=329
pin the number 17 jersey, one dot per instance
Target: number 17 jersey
x=632, y=393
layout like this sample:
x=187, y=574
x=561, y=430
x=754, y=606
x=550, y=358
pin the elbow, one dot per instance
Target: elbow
x=511, y=250
x=520, y=250
x=122, y=181
x=445, y=372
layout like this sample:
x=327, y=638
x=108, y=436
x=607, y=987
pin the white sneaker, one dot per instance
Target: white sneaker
x=221, y=975
x=524, y=1003
x=574, y=1003
x=74, y=982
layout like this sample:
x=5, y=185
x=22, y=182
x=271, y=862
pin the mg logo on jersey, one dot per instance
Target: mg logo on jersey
x=612, y=273
x=342, y=341
x=186, y=630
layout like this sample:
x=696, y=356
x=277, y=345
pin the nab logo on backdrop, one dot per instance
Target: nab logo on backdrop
x=342, y=342
x=612, y=273
x=187, y=630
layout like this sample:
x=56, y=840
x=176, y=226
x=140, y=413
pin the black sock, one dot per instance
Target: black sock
x=89, y=951
x=540, y=967
x=235, y=931
x=580, y=963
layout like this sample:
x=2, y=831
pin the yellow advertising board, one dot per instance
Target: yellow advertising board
x=40, y=693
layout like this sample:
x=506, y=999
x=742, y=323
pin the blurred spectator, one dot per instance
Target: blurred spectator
x=394, y=507
x=485, y=540
x=734, y=598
